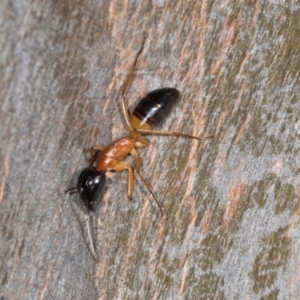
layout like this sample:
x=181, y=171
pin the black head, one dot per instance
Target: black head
x=90, y=186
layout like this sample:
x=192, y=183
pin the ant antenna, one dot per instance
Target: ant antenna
x=87, y=222
x=90, y=238
x=71, y=189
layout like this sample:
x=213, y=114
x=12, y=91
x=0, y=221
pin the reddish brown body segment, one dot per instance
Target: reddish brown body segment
x=115, y=152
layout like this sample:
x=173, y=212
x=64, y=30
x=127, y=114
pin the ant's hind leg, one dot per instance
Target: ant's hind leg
x=138, y=162
x=130, y=76
x=127, y=85
x=172, y=133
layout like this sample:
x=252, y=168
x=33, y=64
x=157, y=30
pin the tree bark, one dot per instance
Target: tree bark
x=232, y=202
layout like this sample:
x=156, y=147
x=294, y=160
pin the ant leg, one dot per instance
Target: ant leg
x=130, y=76
x=122, y=166
x=126, y=113
x=127, y=85
x=93, y=153
x=146, y=184
x=173, y=133
x=137, y=158
x=139, y=140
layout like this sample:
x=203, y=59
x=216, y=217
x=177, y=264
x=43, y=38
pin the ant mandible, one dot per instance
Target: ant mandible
x=149, y=112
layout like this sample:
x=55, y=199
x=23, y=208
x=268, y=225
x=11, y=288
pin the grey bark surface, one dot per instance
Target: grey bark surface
x=232, y=229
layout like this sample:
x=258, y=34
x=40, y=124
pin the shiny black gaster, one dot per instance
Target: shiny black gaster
x=90, y=186
x=156, y=106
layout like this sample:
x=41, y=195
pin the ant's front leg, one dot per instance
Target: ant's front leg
x=94, y=152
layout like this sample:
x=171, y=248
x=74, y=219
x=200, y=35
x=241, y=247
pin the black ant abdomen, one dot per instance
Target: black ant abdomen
x=155, y=107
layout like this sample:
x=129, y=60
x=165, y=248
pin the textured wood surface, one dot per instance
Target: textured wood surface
x=232, y=229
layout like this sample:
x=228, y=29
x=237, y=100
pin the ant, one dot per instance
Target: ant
x=149, y=113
